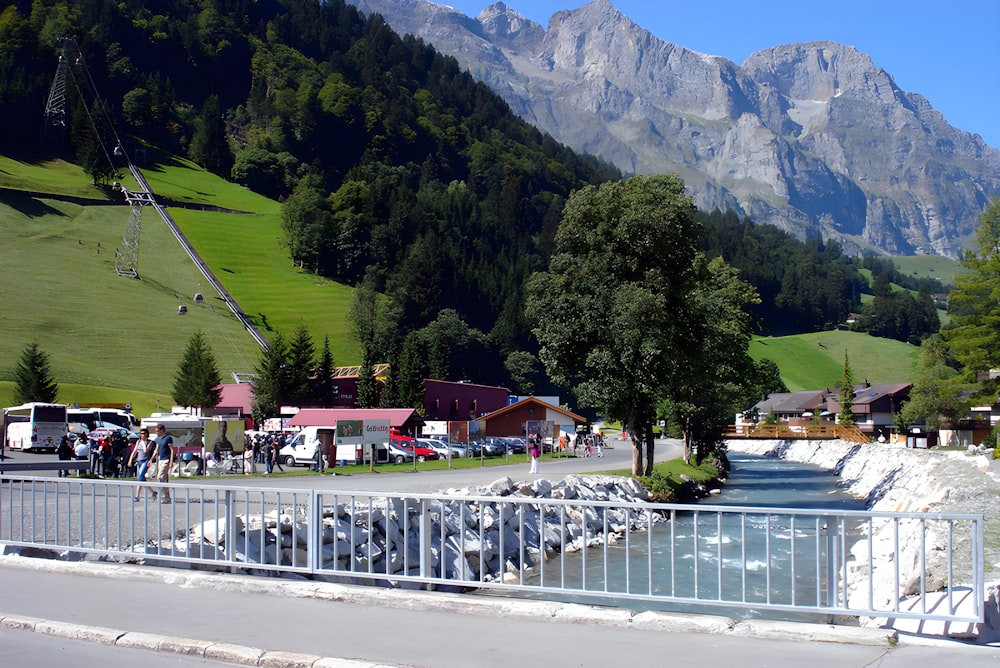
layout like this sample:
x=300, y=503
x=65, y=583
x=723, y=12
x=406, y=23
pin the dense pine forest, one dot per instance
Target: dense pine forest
x=397, y=171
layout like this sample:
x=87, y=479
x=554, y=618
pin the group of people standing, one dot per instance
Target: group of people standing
x=263, y=449
x=107, y=453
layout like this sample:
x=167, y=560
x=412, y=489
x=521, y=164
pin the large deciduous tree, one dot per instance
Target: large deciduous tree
x=198, y=382
x=721, y=378
x=938, y=389
x=612, y=313
x=33, y=377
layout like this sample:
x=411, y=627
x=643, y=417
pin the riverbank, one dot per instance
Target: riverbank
x=898, y=479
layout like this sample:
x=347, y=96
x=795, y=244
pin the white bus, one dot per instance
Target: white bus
x=34, y=426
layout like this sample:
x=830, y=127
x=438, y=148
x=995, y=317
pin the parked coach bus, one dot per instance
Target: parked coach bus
x=34, y=426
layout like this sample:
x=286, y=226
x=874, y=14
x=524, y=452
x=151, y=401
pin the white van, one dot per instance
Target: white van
x=301, y=449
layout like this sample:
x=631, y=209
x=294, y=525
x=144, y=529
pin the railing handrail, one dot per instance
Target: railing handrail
x=551, y=544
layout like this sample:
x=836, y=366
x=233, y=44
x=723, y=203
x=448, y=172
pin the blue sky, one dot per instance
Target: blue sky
x=948, y=51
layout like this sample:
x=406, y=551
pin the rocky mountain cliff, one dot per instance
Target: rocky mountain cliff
x=813, y=138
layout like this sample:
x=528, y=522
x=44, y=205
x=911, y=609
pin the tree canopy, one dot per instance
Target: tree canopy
x=973, y=337
x=617, y=314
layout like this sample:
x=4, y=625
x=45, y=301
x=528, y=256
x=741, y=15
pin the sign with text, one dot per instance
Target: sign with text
x=376, y=432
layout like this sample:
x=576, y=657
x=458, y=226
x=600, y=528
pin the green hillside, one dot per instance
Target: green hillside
x=66, y=295
x=104, y=331
x=815, y=361
x=930, y=266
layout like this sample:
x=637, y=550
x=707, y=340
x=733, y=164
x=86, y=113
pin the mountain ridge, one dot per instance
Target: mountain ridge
x=814, y=137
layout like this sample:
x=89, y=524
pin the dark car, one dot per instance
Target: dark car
x=516, y=445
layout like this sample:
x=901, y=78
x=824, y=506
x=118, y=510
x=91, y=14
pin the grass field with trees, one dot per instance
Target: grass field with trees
x=815, y=361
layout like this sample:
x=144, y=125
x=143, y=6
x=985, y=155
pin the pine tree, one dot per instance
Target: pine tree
x=33, y=379
x=198, y=381
x=323, y=394
x=846, y=415
x=368, y=396
x=270, y=388
x=301, y=352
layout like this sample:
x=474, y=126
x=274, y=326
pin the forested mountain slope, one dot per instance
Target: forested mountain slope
x=814, y=138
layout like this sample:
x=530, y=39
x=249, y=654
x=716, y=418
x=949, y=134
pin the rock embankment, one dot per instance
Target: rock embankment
x=477, y=532
x=898, y=479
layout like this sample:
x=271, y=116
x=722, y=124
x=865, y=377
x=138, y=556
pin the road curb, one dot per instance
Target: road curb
x=555, y=612
x=219, y=651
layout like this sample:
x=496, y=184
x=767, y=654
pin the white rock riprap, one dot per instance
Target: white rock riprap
x=898, y=479
x=476, y=532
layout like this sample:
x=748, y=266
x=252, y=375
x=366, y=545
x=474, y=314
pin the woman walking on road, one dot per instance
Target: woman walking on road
x=140, y=459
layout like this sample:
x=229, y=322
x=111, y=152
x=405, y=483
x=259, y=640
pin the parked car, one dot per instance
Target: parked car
x=475, y=448
x=398, y=454
x=516, y=445
x=411, y=445
x=440, y=447
x=494, y=445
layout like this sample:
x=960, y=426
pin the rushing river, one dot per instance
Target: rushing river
x=686, y=551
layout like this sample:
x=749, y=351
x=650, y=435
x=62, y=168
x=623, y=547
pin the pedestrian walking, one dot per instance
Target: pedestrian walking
x=276, y=453
x=139, y=458
x=534, y=458
x=164, y=457
x=268, y=456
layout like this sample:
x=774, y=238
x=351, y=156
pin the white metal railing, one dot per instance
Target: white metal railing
x=857, y=563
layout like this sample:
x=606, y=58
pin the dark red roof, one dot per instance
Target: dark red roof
x=400, y=418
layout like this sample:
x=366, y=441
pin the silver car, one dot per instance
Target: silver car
x=443, y=448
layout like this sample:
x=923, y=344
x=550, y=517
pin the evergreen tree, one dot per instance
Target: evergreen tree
x=198, y=381
x=846, y=415
x=301, y=353
x=209, y=147
x=322, y=393
x=367, y=385
x=973, y=336
x=271, y=385
x=410, y=374
x=33, y=378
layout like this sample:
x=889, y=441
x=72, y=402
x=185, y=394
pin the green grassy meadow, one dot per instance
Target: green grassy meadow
x=930, y=266
x=816, y=361
x=113, y=339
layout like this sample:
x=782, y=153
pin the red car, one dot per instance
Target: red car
x=410, y=444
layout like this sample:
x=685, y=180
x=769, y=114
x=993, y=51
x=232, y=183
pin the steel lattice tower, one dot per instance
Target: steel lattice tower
x=55, y=108
x=127, y=257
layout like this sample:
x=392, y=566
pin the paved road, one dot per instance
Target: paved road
x=399, y=628
x=405, y=629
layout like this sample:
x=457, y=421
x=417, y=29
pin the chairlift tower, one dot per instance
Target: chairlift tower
x=55, y=108
x=127, y=257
